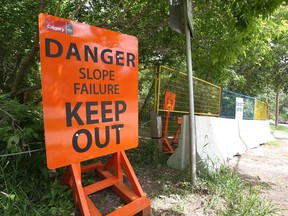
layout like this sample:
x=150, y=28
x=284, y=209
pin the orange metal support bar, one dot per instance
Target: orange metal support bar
x=117, y=166
x=179, y=122
x=167, y=148
x=77, y=187
x=100, y=185
x=131, y=175
x=132, y=208
x=119, y=188
x=135, y=197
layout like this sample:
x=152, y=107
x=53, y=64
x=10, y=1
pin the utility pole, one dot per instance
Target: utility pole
x=181, y=22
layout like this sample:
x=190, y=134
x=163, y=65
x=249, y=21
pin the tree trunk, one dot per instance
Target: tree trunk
x=27, y=61
x=23, y=68
x=277, y=107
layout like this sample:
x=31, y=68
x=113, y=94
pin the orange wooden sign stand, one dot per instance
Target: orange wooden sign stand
x=134, y=197
x=90, y=105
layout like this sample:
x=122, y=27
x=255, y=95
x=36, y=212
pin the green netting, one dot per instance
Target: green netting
x=228, y=104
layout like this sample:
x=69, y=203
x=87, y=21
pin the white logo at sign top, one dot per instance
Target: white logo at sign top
x=55, y=28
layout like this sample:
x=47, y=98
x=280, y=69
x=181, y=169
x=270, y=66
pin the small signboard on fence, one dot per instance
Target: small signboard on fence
x=90, y=90
x=169, y=101
x=239, y=108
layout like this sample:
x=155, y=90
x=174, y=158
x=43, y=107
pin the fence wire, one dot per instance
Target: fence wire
x=146, y=95
x=206, y=98
x=261, y=110
x=228, y=104
x=209, y=100
x=206, y=95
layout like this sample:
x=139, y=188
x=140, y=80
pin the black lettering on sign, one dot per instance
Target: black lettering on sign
x=88, y=136
x=48, y=44
x=73, y=114
x=106, y=110
x=120, y=107
x=117, y=129
x=119, y=58
x=89, y=53
x=73, y=51
x=110, y=112
x=75, y=140
x=90, y=112
x=130, y=59
x=97, y=137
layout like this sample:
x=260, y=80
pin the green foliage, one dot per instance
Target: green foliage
x=20, y=126
x=232, y=196
x=237, y=43
x=18, y=33
x=26, y=185
x=274, y=143
x=28, y=188
x=147, y=153
x=279, y=128
x=265, y=64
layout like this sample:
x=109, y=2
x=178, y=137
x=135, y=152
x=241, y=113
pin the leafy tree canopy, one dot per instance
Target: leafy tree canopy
x=224, y=32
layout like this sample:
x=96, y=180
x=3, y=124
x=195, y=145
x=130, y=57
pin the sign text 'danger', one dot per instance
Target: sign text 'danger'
x=90, y=90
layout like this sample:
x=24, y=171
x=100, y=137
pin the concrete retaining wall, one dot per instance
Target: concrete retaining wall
x=219, y=139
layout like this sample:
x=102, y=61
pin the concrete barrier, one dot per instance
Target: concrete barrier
x=219, y=139
x=254, y=132
x=180, y=158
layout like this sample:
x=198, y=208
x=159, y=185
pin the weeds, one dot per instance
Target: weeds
x=279, y=128
x=274, y=143
x=234, y=195
x=224, y=191
x=27, y=188
x=147, y=153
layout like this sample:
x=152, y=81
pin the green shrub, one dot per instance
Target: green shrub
x=21, y=126
x=27, y=187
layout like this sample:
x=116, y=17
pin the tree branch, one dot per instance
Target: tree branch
x=76, y=11
x=26, y=63
x=28, y=89
x=41, y=6
x=112, y=12
x=58, y=7
x=120, y=19
x=136, y=18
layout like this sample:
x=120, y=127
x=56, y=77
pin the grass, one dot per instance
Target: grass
x=233, y=196
x=274, y=143
x=226, y=192
x=28, y=188
x=279, y=128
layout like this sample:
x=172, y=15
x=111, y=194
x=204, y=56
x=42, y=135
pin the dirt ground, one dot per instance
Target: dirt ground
x=267, y=166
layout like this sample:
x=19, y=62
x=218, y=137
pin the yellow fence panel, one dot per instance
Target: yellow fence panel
x=261, y=110
x=207, y=96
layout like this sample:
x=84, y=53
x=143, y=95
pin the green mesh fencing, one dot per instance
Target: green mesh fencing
x=228, y=104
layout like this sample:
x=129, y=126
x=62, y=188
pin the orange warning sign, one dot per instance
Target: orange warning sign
x=169, y=100
x=90, y=90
